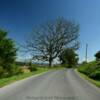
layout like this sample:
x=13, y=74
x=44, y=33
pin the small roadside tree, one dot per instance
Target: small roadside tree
x=7, y=51
x=97, y=55
x=69, y=57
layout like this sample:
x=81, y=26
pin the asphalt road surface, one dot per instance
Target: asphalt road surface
x=53, y=85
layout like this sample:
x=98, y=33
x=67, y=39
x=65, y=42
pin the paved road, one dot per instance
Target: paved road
x=53, y=85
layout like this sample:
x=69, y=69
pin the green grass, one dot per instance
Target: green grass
x=95, y=82
x=6, y=81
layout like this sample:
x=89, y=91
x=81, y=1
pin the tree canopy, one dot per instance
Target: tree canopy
x=49, y=39
x=69, y=57
x=97, y=55
x=7, y=51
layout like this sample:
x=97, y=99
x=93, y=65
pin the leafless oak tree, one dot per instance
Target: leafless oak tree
x=49, y=39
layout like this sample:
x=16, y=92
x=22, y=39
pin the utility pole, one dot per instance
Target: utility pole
x=86, y=52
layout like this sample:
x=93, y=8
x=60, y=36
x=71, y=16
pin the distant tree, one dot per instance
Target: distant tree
x=84, y=62
x=69, y=57
x=97, y=55
x=7, y=51
x=48, y=40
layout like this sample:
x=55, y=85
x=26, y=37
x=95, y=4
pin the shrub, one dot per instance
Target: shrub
x=95, y=75
x=85, y=69
x=1, y=72
x=32, y=68
x=19, y=71
x=90, y=69
x=14, y=70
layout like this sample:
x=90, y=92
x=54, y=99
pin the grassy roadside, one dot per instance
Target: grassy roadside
x=6, y=81
x=97, y=83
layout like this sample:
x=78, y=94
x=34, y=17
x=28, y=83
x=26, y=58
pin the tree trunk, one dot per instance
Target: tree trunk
x=50, y=62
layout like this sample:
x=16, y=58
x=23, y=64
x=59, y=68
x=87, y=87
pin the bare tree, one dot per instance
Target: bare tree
x=49, y=39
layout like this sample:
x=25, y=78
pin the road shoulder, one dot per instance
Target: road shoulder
x=87, y=79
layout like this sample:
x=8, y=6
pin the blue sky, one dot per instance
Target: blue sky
x=19, y=17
